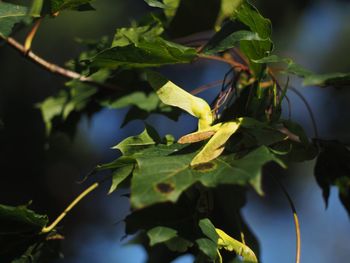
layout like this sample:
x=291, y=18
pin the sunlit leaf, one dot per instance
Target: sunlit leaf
x=148, y=53
x=156, y=3
x=228, y=7
x=134, y=144
x=216, y=144
x=171, y=9
x=35, y=9
x=201, y=135
x=133, y=35
x=228, y=243
x=171, y=94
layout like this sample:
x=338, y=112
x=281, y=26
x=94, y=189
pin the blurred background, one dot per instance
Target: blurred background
x=316, y=33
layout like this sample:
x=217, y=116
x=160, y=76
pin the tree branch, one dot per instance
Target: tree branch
x=53, y=68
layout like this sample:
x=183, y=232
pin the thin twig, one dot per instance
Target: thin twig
x=206, y=87
x=53, y=68
x=313, y=120
x=273, y=77
x=47, y=229
x=296, y=220
x=289, y=107
x=231, y=62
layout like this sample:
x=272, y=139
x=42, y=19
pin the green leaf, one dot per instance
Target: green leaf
x=216, y=144
x=331, y=79
x=135, y=113
x=169, y=6
x=148, y=102
x=142, y=106
x=23, y=218
x=153, y=183
x=52, y=107
x=224, y=241
x=147, y=53
x=150, y=217
x=208, y=247
x=20, y=237
x=134, y=144
x=178, y=244
x=250, y=16
x=76, y=98
x=208, y=229
x=36, y=8
x=41, y=251
x=310, y=78
x=133, y=35
x=161, y=234
x=11, y=14
x=156, y=3
x=292, y=67
x=118, y=163
x=172, y=6
x=333, y=169
x=228, y=7
x=258, y=133
x=80, y=5
x=221, y=43
x=119, y=176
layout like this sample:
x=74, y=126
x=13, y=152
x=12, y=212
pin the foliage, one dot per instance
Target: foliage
x=238, y=134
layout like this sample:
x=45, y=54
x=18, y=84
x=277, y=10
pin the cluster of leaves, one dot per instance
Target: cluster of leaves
x=21, y=240
x=199, y=181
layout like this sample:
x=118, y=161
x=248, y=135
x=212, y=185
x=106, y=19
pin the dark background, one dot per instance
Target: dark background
x=315, y=33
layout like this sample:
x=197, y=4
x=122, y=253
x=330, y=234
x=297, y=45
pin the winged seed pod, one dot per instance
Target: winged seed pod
x=173, y=95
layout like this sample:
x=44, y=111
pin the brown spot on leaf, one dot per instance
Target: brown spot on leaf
x=204, y=167
x=165, y=188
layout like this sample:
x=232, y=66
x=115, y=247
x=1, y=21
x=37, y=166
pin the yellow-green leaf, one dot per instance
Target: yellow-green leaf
x=171, y=94
x=216, y=144
x=228, y=243
x=200, y=135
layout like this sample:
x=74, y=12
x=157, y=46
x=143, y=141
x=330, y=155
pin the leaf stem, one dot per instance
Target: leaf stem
x=31, y=35
x=308, y=107
x=231, y=62
x=47, y=229
x=206, y=87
